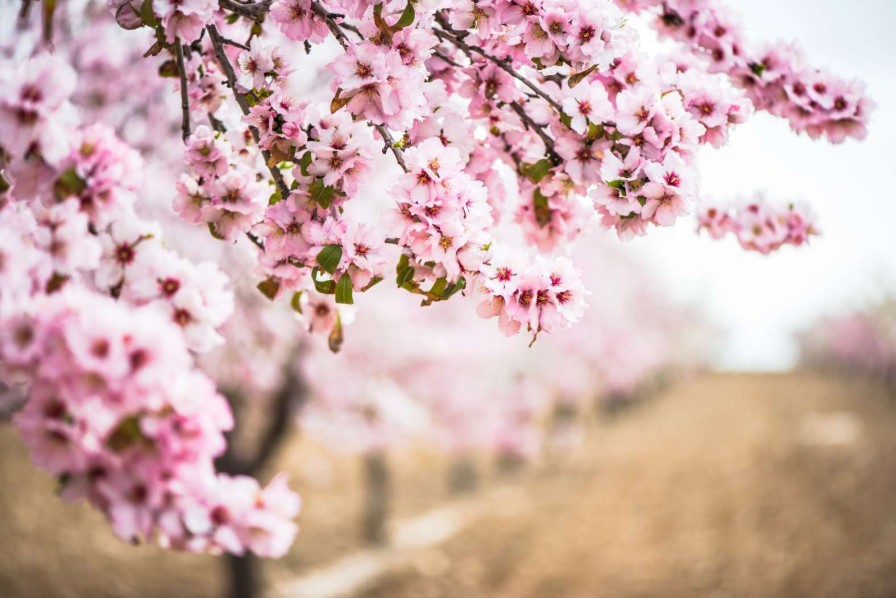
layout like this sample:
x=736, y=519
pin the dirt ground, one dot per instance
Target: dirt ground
x=727, y=485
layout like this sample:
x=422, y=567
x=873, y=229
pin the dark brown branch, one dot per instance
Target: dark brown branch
x=539, y=130
x=330, y=20
x=25, y=14
x=234, y=43
x=448, y=34
x=184, y=98
x=251, y=10
x=218, y=44
x=444, y=58
x=292, y=394
x=255, y=240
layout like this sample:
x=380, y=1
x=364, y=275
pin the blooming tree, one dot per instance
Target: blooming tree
x=508, y=128
x=862, y=342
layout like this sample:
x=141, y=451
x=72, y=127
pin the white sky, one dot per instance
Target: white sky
x=762, y=300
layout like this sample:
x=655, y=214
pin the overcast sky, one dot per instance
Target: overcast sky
x=761, y=300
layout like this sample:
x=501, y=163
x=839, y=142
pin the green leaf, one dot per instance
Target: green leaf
x=379, y=21
x=404, y=271
x=618, y=184
x=344, y=290
x=296, y=301
x=329, y=257
x=338, y=102
x=4, y=185
x=335, y=339
x=579, y=77
x=269, y=288
x=455, y=287
x=540, y=205
x=276, y=197
x=758, y=68
x=321, y=193
x=305, y=162
x=147, y=14
x=537, y=171
x=125, y=435
x=327, y=287
x=373, y=282
x=439, y=286
x=214, y=232
x=68, y=184
x=595, y=131
x=169, y=69
x=406, y=19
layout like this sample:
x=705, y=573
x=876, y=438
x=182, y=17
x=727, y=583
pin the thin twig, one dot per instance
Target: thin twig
x=389, y=144
x=24, y=14
x=334, y=27
x=539, y=130
x=218, y=45
x=255, y=240
x=447, y=34
x=184, y=98
x=234, y=43
x=444, y=58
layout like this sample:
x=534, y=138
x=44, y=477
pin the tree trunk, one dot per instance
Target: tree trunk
x=377, y=492
x=462, y=475
x=243, y=574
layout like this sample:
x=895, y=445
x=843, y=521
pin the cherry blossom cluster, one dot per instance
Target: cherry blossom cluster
x=98, y=319
x=223, y=191
x=441, y=214
x=548, y=32
x=759, y=225
x=545, y=110
x=776, y=76
x=539, y=296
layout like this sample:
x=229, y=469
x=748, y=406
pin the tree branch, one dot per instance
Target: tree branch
x=251, y=10
x=292, y=394
x=448, y=34
x=389, y=144
x=334, y=27
x=218, y=45
x=184, y=99
x=539, y=130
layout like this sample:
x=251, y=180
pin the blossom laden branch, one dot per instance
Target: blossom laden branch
x=184, y=98
x=224, y=61
x=448, y=34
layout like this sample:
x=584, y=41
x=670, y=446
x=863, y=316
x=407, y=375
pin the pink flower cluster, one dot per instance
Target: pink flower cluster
x=547, y=32
x=442, y=216
x=97, y=320
x=184, y=19
x=775, y=77
x=759, y=225
x=381, y=85
x=224, y=191
x=117, y=412
x=298, y=22
x=464, y=93
x=542, y=295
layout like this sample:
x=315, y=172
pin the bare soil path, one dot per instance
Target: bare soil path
x=728, y=485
